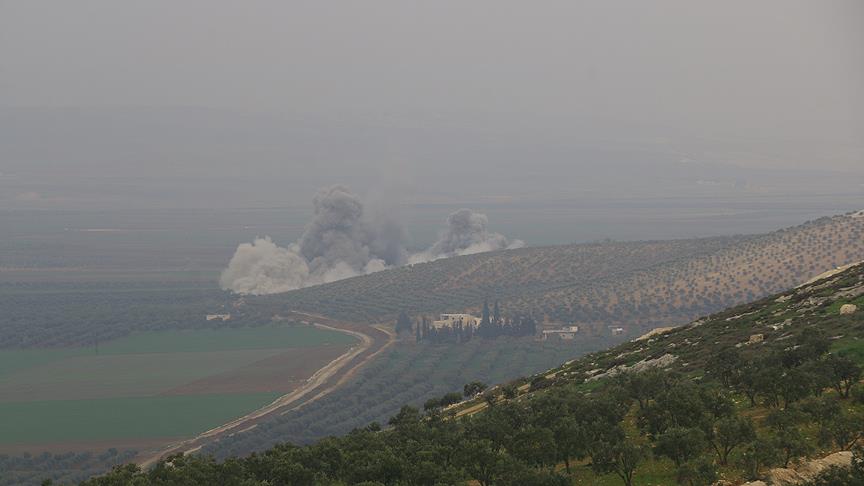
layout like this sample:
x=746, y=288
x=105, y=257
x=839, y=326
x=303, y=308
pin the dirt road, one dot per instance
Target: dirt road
x=373, y=340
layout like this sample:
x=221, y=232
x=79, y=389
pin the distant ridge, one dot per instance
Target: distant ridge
x=640, y=285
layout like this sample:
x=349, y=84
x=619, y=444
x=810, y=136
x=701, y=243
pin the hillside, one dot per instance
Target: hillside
x=755, y=391
x=638, y=284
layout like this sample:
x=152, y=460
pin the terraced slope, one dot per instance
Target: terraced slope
x=636, y=284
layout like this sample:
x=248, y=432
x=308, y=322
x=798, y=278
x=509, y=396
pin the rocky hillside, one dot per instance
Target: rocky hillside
x=833, y=305
x=640, y=285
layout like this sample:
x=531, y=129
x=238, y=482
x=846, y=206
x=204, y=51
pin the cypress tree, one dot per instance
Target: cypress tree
x=403, y=323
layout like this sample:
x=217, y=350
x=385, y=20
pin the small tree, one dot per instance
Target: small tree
x=792, y=444
x=450, y=399
x=811, y=344
x=534, y=446
x=758, y=454
x=644, y=386
x=571, y=440
x=729, y=433
x=844, y=429
x=788, y=438
x=622, y=458
x=473, y=388
x=481, y=460
x=726, y=365
x=747, y=381
x=680, y=444
x=793, y=385
x=403, y=323
x=490, y=398
x=697, y=472
x=844, y=373
x=432, y=404
x=539, y=383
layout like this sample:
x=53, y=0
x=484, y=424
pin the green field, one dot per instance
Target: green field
x=121, y=418
x=121, y=375
x=127, y=388
x=178, y=341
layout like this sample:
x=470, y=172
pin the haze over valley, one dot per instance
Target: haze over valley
x=389, y=243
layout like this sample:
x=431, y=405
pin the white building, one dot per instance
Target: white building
x=616, y=331
x=219, y=317
x=454, y=320
x=566, y=333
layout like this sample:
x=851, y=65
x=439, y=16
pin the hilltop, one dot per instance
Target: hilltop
x=640, y=285
x=750, y=392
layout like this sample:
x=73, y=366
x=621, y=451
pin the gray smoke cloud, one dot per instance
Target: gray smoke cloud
x=340, y=242
x=466, y=234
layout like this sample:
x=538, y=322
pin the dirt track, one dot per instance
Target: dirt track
x=373, y=340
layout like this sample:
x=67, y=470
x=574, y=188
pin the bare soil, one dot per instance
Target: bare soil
x=281, y=373
x=93, y=446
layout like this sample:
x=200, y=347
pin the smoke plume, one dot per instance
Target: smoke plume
x=338, y=243
x=466, y=234
x=341, y=242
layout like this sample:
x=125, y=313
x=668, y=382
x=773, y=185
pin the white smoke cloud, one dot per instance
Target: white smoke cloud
x=261, y=267
x=466, y=234
x=339, y=243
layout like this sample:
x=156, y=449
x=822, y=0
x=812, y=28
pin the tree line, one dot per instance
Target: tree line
x=492, y=325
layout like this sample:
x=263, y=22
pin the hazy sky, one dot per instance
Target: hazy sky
x=753, y=83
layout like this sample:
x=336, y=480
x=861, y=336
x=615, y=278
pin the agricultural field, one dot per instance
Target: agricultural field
x=406, y=374
x=69, y=314
x=152, y=387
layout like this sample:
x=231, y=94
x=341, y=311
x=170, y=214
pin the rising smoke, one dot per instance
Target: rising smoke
x=466, y=234
x=341, y=242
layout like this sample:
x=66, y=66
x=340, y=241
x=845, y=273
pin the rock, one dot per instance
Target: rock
x=754, y=339
x=784, y=476
x=739, y=316
x=783, y=324
x=755, y=483
x=808, y=471
x=827, y=274
x=664, y=361
x=850, y=292
x=654, y=332
x=847, y=309
x=811, y=469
